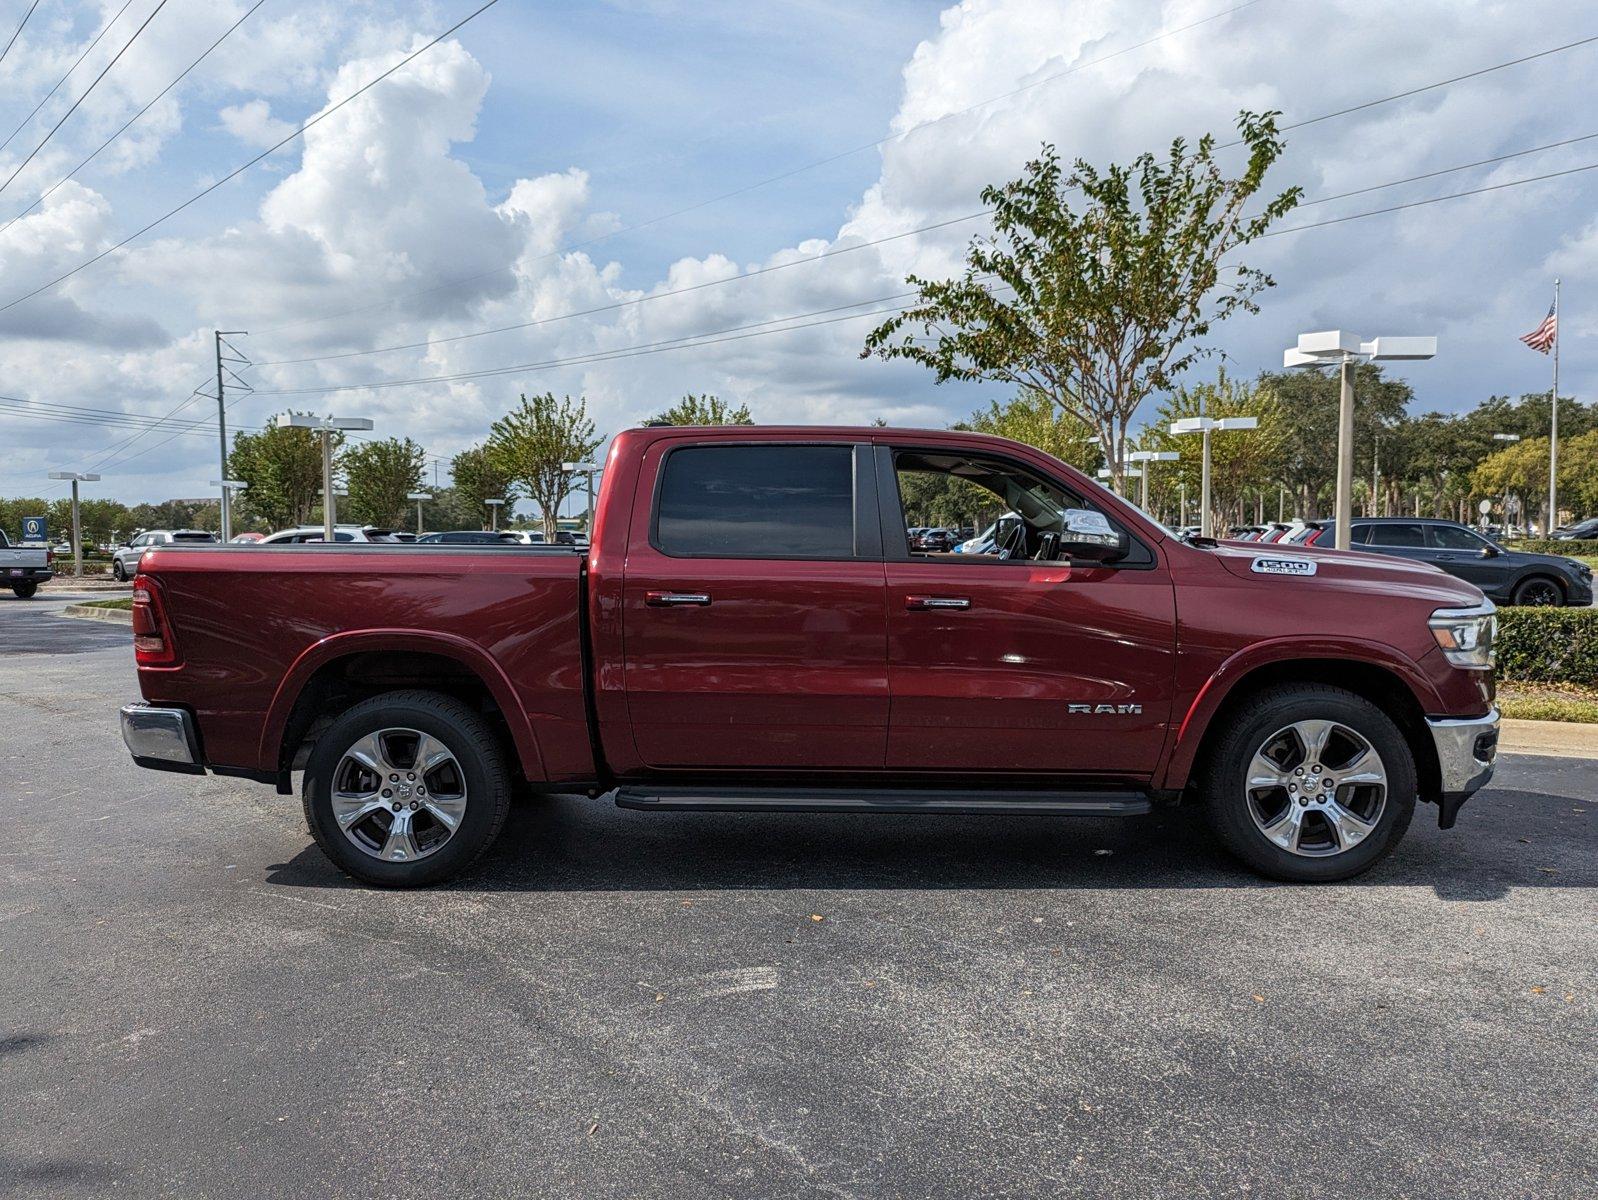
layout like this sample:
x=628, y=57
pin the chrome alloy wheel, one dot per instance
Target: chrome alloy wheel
x=1316, y=788
x=399, y=794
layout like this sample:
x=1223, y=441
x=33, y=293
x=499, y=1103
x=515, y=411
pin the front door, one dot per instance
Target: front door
x=1019, y=663
x=753, y=611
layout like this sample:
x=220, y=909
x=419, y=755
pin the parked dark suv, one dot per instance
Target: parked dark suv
x=1506, y=576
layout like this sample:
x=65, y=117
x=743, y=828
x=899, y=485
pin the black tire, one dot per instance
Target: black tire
x=1251, y=727
x=466, y=735
x=118, y=571
x=25, y=591
x=1538, y=591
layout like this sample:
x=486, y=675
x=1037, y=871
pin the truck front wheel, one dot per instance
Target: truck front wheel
x=1310, y=783
x=406, y=789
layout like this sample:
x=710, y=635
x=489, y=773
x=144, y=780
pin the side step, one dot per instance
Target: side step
x=883, y=800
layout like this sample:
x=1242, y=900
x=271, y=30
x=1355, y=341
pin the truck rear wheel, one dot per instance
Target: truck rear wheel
x=1310, y=783
x=406, y=789
x=25, y=591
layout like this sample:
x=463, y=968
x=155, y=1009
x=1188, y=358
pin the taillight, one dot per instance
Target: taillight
x=49, y=557
x=152, y=632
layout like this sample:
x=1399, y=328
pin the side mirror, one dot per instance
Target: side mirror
x=1089, y=535
x=1490, y=552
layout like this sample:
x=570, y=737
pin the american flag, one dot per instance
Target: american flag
x=1542, y=338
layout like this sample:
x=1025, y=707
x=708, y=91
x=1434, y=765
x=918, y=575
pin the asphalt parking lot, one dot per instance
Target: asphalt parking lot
x=194, y=1003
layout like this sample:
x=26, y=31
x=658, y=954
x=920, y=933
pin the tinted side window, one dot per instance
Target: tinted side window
x=757, y=502
x=1448, y=537
x=1397, y=535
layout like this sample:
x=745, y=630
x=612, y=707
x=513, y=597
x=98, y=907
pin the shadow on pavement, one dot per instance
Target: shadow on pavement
x=570, y=844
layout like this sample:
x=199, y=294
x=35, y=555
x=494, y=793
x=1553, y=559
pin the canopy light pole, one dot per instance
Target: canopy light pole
x=76, y=477
x=1206, y=426
x=1341, y=348
x=1506, y=437
x=419, y=498
x=327, y=426
x=1146, y=457
x=228, y=486
x=493, y=513
x=589, y=469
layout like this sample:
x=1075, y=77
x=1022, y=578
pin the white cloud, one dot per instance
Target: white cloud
x=253, y=123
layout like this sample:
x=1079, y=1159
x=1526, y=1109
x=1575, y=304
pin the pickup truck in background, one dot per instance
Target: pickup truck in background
x=751, y=629
x=24, y=568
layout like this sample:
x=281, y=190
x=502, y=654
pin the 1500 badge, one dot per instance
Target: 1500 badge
x=1284, y=566
x=1106, y=710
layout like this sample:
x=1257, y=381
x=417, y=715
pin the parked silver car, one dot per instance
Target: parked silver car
x=125, y=559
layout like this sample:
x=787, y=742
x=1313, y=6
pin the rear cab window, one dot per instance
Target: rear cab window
x=756, y=501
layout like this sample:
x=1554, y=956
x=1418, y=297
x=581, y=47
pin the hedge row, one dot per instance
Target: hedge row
x=1575, y=548
x=1548, y=645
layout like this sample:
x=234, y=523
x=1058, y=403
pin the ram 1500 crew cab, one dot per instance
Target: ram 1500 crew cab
x=752, y=629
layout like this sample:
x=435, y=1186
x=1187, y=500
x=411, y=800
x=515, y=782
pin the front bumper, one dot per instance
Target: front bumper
x=161, y=738
x=1467, y=751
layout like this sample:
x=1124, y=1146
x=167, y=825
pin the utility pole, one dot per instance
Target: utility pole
x=221, y=426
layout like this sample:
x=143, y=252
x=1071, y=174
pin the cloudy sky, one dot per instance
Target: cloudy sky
x=549, y=160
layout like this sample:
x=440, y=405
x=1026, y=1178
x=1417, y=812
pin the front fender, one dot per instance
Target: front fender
x=343, y=645
x=1188, y=734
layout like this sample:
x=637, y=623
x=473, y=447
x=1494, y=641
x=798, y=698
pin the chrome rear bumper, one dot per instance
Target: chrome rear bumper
x=161, y=738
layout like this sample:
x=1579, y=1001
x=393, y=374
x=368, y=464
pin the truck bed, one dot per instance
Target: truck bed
x=259, y=625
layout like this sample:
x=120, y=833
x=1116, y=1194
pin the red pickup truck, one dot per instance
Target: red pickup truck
x=751, y=630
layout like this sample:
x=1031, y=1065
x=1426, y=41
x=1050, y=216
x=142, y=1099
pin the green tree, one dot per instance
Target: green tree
x=1521, y=469
x=1034, y=419
x=1111, y=304
x=282, y=466
x=378, y=476
x=476, y=476
x=530, y=443
x=705, y=410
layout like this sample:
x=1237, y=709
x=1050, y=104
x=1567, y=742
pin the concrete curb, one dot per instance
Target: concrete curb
x=1564, y=739
x=83, y=612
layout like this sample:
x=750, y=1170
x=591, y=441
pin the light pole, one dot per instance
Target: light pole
x=589, y=469
x=1506, y=437
x=1126, y=473
x=1344, y=349
x=493, y=511
x=420, y=498
x=228, y=486
x=76, y=477
x=1206, y=426
x=1145, y=457
x=327, y=426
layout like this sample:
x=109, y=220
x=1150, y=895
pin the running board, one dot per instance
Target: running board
x=685, y=799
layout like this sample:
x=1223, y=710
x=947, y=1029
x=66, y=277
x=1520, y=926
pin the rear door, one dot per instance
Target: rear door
x=753, y=625
x=1020, y=664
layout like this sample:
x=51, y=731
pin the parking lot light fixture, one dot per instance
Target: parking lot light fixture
x=1506, y=437
x=327, y=426
x=1206, y=426
x=493, y=513
x=419, y=498
x=1340, y=348
x=76, y=477
x=589, y=469
x=1145, y=457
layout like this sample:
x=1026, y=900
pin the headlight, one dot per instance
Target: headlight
x=1466, y=635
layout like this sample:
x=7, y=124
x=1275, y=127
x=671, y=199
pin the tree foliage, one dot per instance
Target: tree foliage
x=705, y=410
x=1107, y=305
x=476, y=476
x=282, y=465
x=378, y=476
x=1035, y=420
x=530, y=443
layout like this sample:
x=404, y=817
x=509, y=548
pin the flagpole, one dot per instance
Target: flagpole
x=1553, y=430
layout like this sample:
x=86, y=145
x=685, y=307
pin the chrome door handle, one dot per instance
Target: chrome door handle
x=923, y=603
x=676, y=599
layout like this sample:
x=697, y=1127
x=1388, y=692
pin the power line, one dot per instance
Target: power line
x=84, y=95
x=788, y=174
x=156, y=99
x=234, y=174
x=18, y=33
x=1481, y=162
x=104, y=29
x=587, y=312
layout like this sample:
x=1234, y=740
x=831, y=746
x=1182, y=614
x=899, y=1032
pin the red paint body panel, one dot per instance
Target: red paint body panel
x=802, y=667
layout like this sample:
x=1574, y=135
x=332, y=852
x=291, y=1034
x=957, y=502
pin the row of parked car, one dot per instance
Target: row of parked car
x=1506, y=576
x=125, y=559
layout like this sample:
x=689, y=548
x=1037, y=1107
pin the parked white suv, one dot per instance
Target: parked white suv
x=125, y=559
x=315, y=533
